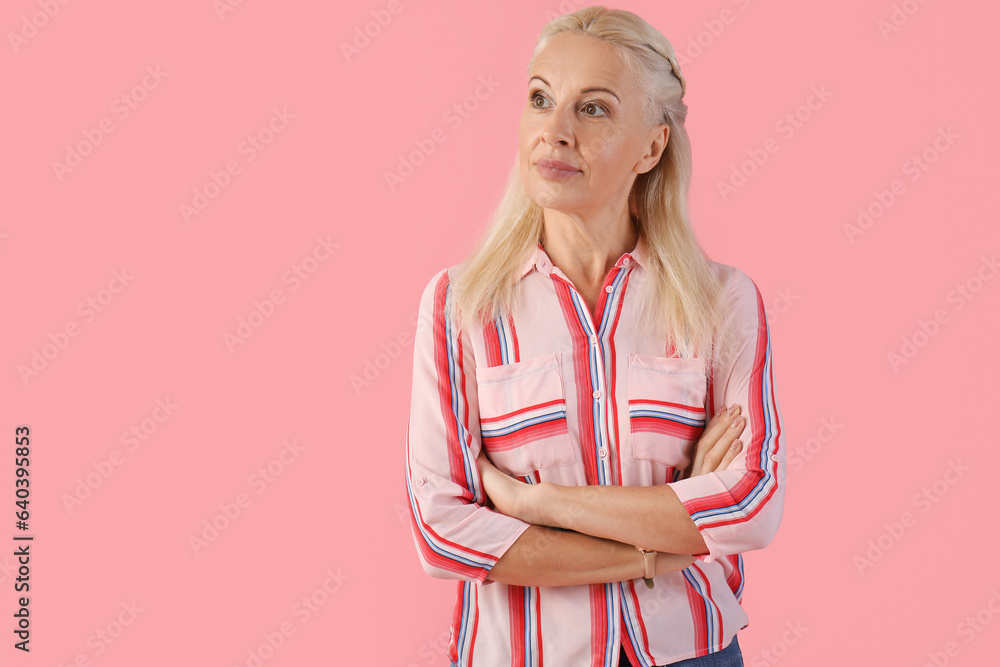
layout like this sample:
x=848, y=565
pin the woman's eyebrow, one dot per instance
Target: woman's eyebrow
x=585, y=90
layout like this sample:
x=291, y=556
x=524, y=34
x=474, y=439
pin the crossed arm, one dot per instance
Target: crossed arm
x=586, y=534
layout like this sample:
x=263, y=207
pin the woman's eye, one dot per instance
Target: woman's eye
x=534, y=97
x=594, y=105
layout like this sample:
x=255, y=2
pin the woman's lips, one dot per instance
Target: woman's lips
x=556, y=169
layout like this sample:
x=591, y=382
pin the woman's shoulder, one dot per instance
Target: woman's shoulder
x=438, y=287
x=736, y=284
x=443, y=277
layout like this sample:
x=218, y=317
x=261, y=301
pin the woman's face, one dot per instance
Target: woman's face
x=584, y=109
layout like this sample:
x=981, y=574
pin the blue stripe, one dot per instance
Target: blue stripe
x=611, y=646
x=739, y=566
x=541, y=419
x=529, y=627
x=464, y=626
x=502, y=337
x=708, y=607
x=669, y=416
x=633, y=635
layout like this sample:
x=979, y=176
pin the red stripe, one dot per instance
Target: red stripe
x=491, y=340
x=513, y=337
x=515, y=607
x=581, y=366
x=734, y=579
x=662, y=426
x=525, y=435
x=696, y=603
x=538, y=623
x=555, y=401
x=598, y=625
x=679, y=406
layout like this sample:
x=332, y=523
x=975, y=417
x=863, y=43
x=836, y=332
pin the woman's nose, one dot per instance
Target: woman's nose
x=558, y=128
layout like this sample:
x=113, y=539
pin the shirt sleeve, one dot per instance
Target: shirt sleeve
x=456, y=536
x=739, y=509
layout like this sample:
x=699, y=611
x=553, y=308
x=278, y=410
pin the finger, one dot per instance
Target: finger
x=714, y=456
x=731, y=453
x=717, y=426
x=709, y=437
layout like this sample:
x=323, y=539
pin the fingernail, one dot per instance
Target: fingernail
x=720, y=411
x=736, y=423
x=733, y=408
x=736, y=445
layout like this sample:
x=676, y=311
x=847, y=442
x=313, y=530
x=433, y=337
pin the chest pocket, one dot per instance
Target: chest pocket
x=522, y=415
x=666, y=408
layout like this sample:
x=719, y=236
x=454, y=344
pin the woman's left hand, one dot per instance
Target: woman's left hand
x=509, y=496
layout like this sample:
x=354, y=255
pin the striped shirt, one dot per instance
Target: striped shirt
x=553, y=393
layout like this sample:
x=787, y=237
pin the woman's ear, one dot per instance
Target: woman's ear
x=658, y=139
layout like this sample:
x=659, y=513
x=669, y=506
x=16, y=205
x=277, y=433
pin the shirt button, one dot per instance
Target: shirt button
x=626, y=261
x=608, y=289
x=593, y=340
x=597, y=393
x=603, y=452
x=774, y=457
x=420, y=481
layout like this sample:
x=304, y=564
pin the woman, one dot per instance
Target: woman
x=569, y=458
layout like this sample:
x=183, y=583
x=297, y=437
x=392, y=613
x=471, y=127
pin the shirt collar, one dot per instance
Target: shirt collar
x=539, y=259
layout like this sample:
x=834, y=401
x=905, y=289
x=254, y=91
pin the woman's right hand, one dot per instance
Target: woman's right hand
x=718, y=445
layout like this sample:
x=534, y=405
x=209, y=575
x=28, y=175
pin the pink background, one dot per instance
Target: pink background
x=329, y=525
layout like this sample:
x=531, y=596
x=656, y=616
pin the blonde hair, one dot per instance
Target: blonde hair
x=684, y=291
